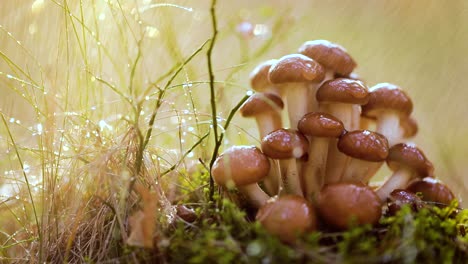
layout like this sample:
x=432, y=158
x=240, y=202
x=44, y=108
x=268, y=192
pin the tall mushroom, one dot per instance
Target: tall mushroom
x=293, y=73
x=259, y=78
x=368, y=150
x=407, y=162
x=287, y=217
x=243, y=167
x=266, y=108
x=341, y=98
x=388, y=104
x=343, y=204
x=287, y=145
x=319, y=127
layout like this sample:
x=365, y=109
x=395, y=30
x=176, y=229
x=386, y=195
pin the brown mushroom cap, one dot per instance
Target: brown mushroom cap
x=400, y=197
x=340, y=203
x=285, y=144
x=240, y=165
x=343, y=90
x=408, y=155
x=261, y=103
x=432, y=190
x=330, y=55
x=384, y=97
x=364, y=145
x=320, y=124
x=294, y=68
x=287, y=217
x=259, y=76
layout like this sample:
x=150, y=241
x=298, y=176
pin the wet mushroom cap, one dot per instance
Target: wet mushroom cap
x=399, y=197
x=330, y=55
x=384, y=97
x=432, y=190
x=295, y=68
x=320, y=124
x=410, y=156
x=339, y=204
x=364, y=145
x=259, y=76
x=240, y=165
x=261, y=103
x=287, y=217
x=343, y=90
x=285, y=144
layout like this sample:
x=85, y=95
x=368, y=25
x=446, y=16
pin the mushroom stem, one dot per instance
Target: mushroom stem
x=388, y=124
x=313, y=171
x=313, y=105
x=255, y=194
x=398, y=180
x=336, y=163
x=272, y=180
x=296, y=100
x=360, y=171
x=268, y=122
x=291, y=179
x=344, y=112
x=356, y=117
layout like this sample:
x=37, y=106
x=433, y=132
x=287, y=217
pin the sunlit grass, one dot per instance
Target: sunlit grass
x=97, y=96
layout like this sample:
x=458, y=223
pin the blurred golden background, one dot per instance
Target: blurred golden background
x=53, y=52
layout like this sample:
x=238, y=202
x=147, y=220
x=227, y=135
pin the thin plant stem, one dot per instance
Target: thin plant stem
x=213, y=94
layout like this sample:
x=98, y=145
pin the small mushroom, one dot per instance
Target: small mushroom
x=292, y=73
x=259, y=78
x=287, y=145
x=388, y=104
x=407, y=162
x=319, y=127
x=243, y=167
x=342, y=98
x=266, y=109
x=432, y=190
x=368, y=150
x=400, y=197
x=287, y=217
x=343, y=204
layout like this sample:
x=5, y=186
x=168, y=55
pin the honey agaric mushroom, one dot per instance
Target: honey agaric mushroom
x=243, y=167
x=293, y=73
x=343, y=204
x=319, y=127
x=287, y=217
x=388, y=104
x=341, y=98
x=407, y=162
x=259, y=78
x=266, y=109
x=332, y=56
x=368, y=150
x=432, y=190
x=400, y=197
x=287, y=145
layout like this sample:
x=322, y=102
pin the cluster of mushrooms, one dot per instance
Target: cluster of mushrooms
x=314, y=172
